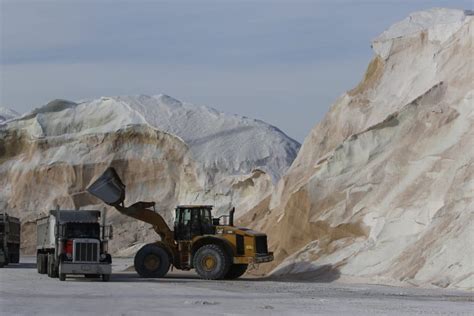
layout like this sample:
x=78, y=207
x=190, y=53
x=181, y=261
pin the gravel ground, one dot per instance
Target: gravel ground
x=24, y=292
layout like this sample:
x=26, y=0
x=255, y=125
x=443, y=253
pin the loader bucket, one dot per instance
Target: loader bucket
x=108, y=188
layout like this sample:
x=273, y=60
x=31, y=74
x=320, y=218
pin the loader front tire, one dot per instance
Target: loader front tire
x=212, y=262
x=152, y=261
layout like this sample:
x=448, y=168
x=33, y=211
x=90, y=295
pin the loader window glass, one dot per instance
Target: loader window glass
x=206, y=217
x=186, y=214
x=206, y=222
x=183, y=223
x=195, y=223
x=192, y=222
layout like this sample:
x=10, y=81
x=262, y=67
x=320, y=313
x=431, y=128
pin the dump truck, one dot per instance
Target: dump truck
x=9, y=239
x=73, y=242
x=198, y=241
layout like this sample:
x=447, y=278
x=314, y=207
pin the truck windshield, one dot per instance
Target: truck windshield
x=82, y=230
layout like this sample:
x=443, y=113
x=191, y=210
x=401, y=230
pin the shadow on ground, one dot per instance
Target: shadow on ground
x=320, y=274
x=20, y=266
x=323, y=274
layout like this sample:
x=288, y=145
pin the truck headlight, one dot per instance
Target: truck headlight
x=102, y=256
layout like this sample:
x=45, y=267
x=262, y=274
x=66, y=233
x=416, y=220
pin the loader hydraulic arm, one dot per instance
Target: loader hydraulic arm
x=142, y=212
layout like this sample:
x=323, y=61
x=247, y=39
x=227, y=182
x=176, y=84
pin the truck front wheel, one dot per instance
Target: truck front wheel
x=211, y=262
x=52, y=269
x=152, y=261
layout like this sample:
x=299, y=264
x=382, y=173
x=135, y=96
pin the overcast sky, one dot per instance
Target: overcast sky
x=284, y=62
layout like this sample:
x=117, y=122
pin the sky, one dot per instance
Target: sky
x=283, y=62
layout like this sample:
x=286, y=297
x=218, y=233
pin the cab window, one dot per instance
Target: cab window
x=206, y=217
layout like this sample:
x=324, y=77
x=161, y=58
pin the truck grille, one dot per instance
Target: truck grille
x=86, y=251
x=261, y=244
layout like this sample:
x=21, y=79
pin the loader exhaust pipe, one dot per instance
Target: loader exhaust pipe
x=231, y=217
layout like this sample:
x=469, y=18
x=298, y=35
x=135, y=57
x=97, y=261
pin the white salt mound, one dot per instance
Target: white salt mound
x=382, y=189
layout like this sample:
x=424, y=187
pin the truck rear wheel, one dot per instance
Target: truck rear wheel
x=41, y=263
x=2, y=259
x=14, y=258
x=38, y=263
x=211, y=262
x=49, y=266
x=62, y=277
x=152, y=261
x=42, y=259
x=235, y=271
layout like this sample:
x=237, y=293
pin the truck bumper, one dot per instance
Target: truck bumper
x=85, y=268
x=257, y=259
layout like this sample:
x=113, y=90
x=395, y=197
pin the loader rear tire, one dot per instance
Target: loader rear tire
x=212, y=262
x=235, y=271
x=152, y=261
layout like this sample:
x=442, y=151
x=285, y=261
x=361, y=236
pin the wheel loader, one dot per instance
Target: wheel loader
x=198, y=240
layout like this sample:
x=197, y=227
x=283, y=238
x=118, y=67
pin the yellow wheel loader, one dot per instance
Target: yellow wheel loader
x=198, y=240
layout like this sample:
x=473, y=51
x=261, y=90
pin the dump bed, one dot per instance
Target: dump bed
x=45, y=232
x=46, y=226
x=12, y=226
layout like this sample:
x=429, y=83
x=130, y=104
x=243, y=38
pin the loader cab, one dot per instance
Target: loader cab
x=192, y=221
